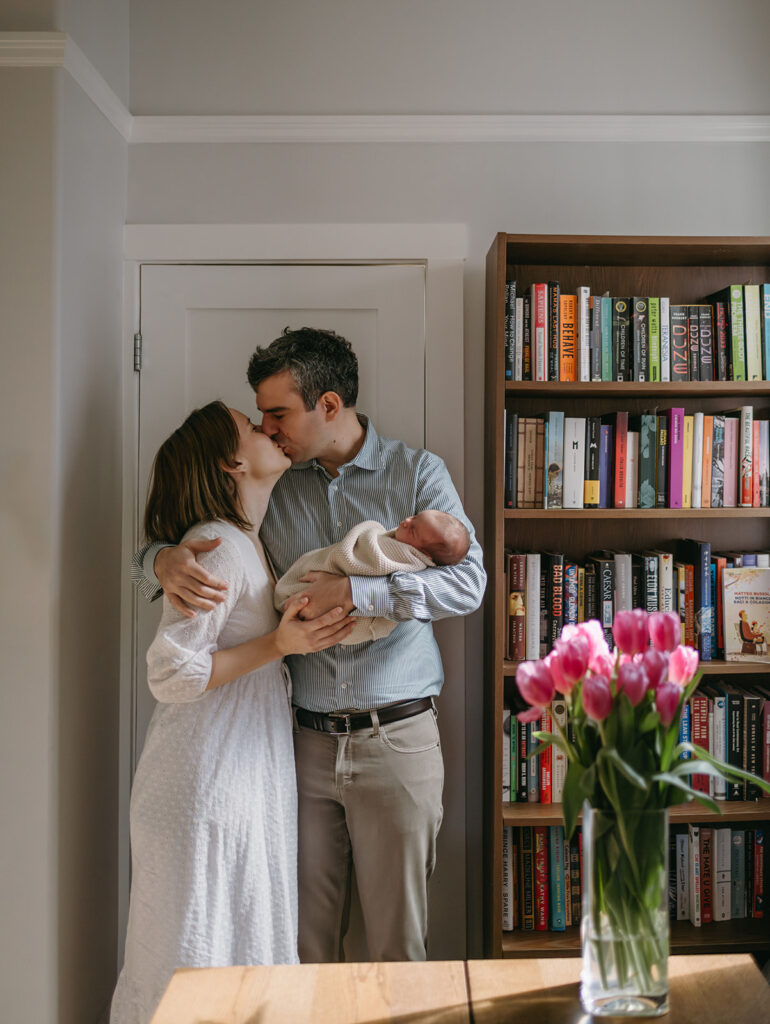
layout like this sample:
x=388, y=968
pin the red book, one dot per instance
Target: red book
x=721, y=340
x=545, y=761
x=541, y=877
x=699, y=719
x=539, y=303
x=621, y=459
x=755, y=464
x=706, y=874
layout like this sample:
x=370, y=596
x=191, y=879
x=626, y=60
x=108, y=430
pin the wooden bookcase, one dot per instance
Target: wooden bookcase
x=686, y=270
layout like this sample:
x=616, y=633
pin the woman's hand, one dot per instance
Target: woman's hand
x=293, y=636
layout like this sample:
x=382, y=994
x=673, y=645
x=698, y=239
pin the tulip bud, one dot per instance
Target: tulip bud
x=665, y=630
x=597, y=697
x=560, y=682
x=655, y=665
x=630, y=631
x=573, y=657
x=667, y=697
x=682, y=665
x=535, y=683
x=632, y=680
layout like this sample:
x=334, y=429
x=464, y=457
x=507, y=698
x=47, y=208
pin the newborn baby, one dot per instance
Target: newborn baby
x=428, y=538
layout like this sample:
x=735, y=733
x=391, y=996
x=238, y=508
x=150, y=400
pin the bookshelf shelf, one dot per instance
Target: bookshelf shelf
x=686, y=270
x=636, y=513
x=741, y=936
x=733, y=811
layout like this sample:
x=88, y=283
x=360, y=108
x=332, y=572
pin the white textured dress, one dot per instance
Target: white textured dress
x=214, y=800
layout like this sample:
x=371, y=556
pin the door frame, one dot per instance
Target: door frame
x=442, y=249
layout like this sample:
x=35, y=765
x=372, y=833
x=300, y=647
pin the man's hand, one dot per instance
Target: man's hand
x=185, y=583
x=325, y=591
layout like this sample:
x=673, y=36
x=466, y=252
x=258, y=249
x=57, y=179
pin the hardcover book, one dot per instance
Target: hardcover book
x=680, y=346
x=555, y=460
x=539, y=306
x=554, y=312
x=746, y=610
x=640, y=327
x=574, y=461
x=665, y=339
x=654, y=315
x=568, y=337
x=621, y=321
x=591, y=489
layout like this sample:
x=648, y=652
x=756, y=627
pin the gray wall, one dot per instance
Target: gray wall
x=493, y=56
x=62, y=206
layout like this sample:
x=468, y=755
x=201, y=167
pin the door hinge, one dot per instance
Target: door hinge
x=137, y=352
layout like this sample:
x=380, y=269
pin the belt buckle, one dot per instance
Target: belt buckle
x=344, y=717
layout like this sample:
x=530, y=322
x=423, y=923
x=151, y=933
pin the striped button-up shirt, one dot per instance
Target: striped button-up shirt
x=386, y=481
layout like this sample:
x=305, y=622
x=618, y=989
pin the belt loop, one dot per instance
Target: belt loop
x=375, y=722
x=295, y=723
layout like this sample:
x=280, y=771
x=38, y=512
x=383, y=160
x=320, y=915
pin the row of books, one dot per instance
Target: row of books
x=732, y=723
x=722, y=599
x=542, y=874
x=551, y=336
x=716, y=874
x=661, y=459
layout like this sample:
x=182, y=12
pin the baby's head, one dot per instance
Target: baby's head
x=437, y=534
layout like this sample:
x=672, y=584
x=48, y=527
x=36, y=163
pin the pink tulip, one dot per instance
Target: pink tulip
x=592, y=631
x=667, y=697
x=573, y=657
x=682, y=665
x=655, y=665
x=530, y=715
x=630, y=631
x=597, y=697
x=632, y=680
x=535, y=683
x=665, y=630
x=560, y=682
x=603, y=664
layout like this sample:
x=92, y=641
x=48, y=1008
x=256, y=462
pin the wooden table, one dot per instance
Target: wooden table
x=713, y=989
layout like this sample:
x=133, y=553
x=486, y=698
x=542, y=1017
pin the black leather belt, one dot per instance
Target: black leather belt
x=344, y=722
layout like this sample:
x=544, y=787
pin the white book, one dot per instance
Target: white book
x=722, y=874
x=682, y=877
x=518, y=349
x=668, y=597
x=584, y=332
x=697, y=459
x=507, y=878
x=574, y=461
x=623, y=589
x=559, y=758
x=752, y=331
x=693, y=831
x=632, y=468
x=506, y=744
x=763, y=560
x=665, y=339
x=532, y=607
x=745, y=464
x=718, y=740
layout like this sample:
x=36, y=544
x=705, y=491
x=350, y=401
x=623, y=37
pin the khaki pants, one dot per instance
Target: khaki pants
x=371, y=798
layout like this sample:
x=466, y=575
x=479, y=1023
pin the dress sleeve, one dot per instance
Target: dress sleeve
x=179, y=658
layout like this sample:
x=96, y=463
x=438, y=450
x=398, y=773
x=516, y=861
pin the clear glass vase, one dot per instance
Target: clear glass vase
x=624, y=929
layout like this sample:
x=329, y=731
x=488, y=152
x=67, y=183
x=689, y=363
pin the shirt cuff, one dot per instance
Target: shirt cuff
x=370, y=595
x=151, y=582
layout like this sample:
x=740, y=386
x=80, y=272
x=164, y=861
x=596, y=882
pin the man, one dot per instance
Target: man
x=369, y=767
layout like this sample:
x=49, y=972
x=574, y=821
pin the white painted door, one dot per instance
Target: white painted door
x=200, y=324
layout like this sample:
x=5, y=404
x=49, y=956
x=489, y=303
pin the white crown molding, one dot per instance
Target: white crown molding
x=158, y=243
x=56, y=49
x=453, y=128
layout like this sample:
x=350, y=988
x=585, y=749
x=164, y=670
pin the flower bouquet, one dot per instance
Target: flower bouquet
x=625, y=767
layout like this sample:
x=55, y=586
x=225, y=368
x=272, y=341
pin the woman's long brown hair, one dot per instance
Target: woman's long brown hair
x=188, y=484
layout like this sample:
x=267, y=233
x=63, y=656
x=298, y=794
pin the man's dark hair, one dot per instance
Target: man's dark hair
x=319, y=361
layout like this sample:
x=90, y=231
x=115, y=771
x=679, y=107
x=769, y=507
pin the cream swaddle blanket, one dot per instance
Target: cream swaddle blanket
x=366, y=550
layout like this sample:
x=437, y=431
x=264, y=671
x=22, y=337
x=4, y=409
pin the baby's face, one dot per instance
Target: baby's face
x=422, y=530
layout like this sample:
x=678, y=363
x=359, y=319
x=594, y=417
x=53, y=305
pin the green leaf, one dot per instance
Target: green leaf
x=727, y=770
x=626, y=770
x=650, y=721
x=572, y=797
x=549, y=738
x=693, y=684
x=693, y=794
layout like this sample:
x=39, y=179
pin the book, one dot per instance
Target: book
x=648, y=458
x=605, y=588
x=632, y=468
x=623, y=574
x=764, y=319
x=568, y=337
x=621, y=349
x=675, y=457
x=606, y=458
x=608, y=367
x=708, y=440
x=527, y=362
x=680, y=346
x=694, y=886
x=518, y=351
x=722, y=858
x=595, y=353
x=654, y=336
x=539, y=328
x=511, y=428
x=738, y=874
x=697, y=460
x=682, y=876
x=746, y=605
x=619, y=423
x=693, y=341
x=574, y=461
x=732, y=297
x=570, y=593
x=554, y=339
x=591, y=486
x=687, y=462
x=706, y=873
x=706, y=332
x=556, y=879
x=506, y=748
x=541, y=877
x=665, y=339
x=731, y=448
x=508, y=879
x=559, y=761
x=553, y=564
x=527, y=877
x=764, y=463
x=718, y=462
x=699, y=719
x=575, y=865
x=720, y=341
x=510, y=328
x=533, y=765
x=640, y=335
x=555, y=460
x=661, y=469
x=698, y=554
x=755, y=463
x=752, y=327
x=584, y=333
x=546, y=760
x=539, y=462
x=517, y=609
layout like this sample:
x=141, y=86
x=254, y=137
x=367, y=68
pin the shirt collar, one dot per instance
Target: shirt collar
x=368, y=456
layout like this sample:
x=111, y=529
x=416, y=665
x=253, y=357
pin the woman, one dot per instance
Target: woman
x=214, y=804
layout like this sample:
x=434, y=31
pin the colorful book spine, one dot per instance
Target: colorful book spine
x=510, y=328
x=720, y=340
x=606, y=319
x=682, y=877
x=546, y=760
x=752, y=331
x=554, y=460
x=621, y=349
x=708, y=440
x=706, y=331
x=539, y=304
x=665, y=339
x=541, y=878
x=706, y=873
x=661, y=470
x=527, y=877
x=730, y=495
x=505, y=740
x=518, y=353
x=517, y=605
x=584, y=332
x=554, y=310
x=648, y=458
x=764, y=311
x=570, y=594
x=693, y=832
x=619, y=475
x=508, y=878
x=574, y=461
x=699, y=721
x=527, y=362
x=640, y=327
x=654, y=314
x=680, y=348
x=737, y=343
x=693, y=339
x=557, y=885
x=687, y=463
x=595, y=357
x=511, y=433
x=606, y=455
x=675, y=457
x=745, y=468
x=568, y=337
x=591, y=474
